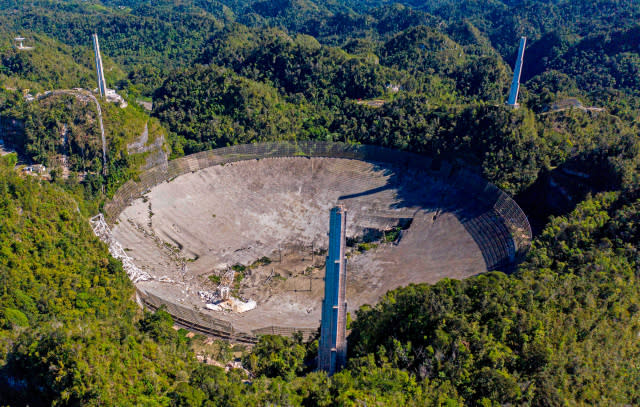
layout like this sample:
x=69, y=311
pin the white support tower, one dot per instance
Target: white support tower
x=515, y=85
x=102, y=85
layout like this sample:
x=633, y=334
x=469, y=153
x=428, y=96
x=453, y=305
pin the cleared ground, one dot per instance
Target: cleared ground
x=201, y=223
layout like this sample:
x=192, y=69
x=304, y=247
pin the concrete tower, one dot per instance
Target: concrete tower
x=332, y=350
x=102, y=85
x=515, y=85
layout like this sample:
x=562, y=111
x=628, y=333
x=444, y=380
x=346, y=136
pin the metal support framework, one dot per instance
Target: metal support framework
x=332, y=350
x=102, y=85
x=515, y=85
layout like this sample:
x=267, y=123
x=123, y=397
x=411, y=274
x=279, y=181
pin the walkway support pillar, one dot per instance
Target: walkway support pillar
x=332, y=349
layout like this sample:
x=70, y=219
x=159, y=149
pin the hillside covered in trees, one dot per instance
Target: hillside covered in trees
x=429, y=77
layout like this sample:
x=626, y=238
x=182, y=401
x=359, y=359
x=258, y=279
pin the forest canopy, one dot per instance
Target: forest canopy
x=429, y=77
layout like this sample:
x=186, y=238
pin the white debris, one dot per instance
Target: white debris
x=213, y=307
x=215, y=301
x=208, y=296
x=102, y=230
x=242, y=306
x=232, y=304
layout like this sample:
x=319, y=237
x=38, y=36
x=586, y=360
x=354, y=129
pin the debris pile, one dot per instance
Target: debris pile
x=222, y=300
x=102, y=230
x=208, y=296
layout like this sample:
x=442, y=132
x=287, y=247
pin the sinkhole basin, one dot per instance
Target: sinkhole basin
x=265, y=208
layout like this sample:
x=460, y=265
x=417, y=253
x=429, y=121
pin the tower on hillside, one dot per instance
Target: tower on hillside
x=515, y=85
x=332, y=350
x=102, y=85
